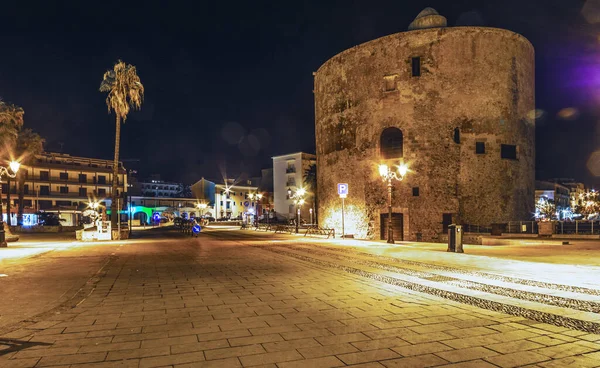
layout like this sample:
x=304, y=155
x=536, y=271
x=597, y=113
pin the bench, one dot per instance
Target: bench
x=263, y=226
x=315, y=230
x=285, y=229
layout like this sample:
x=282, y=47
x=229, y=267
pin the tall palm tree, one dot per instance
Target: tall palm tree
x=11, y=120
x=125, y=91
x=29, y=144
x=310, y=182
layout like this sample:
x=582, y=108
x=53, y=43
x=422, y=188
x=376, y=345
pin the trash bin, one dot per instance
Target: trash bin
x=455, y=243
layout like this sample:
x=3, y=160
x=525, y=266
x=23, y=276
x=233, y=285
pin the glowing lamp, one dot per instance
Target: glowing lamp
x=383, y=170
x=14, y=166
x=402, y=169
x=301, y=192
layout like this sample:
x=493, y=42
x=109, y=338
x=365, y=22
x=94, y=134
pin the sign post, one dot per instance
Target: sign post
x=343, y=193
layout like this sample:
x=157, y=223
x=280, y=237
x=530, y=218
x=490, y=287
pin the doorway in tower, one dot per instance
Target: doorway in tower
x=397, y=226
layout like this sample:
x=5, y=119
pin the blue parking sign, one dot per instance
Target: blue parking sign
x=342, y=189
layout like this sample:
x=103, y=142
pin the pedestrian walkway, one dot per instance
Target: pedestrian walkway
x=223, y=300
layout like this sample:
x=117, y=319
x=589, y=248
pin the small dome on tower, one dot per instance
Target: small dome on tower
x=428, y=18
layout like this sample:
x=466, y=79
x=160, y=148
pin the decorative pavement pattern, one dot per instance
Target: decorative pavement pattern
x=226, y=299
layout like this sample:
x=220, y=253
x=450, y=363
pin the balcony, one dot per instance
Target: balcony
x=39, y=194
x=290, y=170
x=73, y=181
x=290, y=183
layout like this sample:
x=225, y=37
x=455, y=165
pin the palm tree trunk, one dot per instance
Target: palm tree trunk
x=114, y=210
x=20, y=210
x=8, y=202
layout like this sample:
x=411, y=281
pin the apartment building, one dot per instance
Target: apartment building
x=289, y=173
x=58, y=182
x=159, y=188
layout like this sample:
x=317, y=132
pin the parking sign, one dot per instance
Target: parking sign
x=342, y=190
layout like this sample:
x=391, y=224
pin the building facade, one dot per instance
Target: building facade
x=453, y=103
x=143, y=209
x=65, y=184
x=558, y=194
x=289, y=174
x=160, y=188
x=232, y=201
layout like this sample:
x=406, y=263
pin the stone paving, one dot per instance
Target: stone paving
x=215, y=301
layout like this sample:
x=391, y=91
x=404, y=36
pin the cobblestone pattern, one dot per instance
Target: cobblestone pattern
x=582, y=305
x=514, y=280
x=203, y=302
x=535, y=315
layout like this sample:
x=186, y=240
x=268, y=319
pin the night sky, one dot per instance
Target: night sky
x=229, y=83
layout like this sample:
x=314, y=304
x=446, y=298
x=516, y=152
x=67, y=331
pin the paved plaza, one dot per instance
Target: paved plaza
x=232, y=298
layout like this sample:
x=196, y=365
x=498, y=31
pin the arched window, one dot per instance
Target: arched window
x=391, y=143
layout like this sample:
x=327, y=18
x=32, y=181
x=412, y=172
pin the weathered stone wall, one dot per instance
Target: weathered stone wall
x=480, y=80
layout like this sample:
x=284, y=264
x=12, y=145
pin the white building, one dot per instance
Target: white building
x=160, y=188
x=289, y=172
x=232, y=201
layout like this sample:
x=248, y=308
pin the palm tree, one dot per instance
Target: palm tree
x=29, y=144
x=11, y=120
x=310, y=181
x=125, y=91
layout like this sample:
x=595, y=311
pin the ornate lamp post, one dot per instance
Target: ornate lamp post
x=255, y=197
x=14, y=167
x=298, y=198
x=387, y=175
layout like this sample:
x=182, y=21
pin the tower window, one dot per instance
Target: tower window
x=415, y=191
x=390, y=83
x=456, y=136
x=479, y=148
x=508, y=151
x=391, y=143
x=416, y=66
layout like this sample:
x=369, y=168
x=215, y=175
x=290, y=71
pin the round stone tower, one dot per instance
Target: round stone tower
x=454, y=103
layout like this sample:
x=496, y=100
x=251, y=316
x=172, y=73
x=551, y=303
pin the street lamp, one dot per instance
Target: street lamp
x=298, y=198
x=201, y=207
x=14, y=167
x=255, y=197
x=387, y=175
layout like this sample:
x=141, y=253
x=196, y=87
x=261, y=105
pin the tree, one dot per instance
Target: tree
x=310, y=182
x=545, y=210
x=125, y=91
x=586, y=204
x=29, y=144
x=11, y=120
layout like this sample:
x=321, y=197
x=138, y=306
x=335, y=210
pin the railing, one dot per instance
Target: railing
x=71, y=180
x=521, y=227
x=578, y=227
x=290, y=170
x=290, y=183
x=477, y=229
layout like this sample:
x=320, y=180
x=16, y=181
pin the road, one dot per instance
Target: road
x=232, y=298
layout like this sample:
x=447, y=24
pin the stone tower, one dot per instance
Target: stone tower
x=454, y=103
